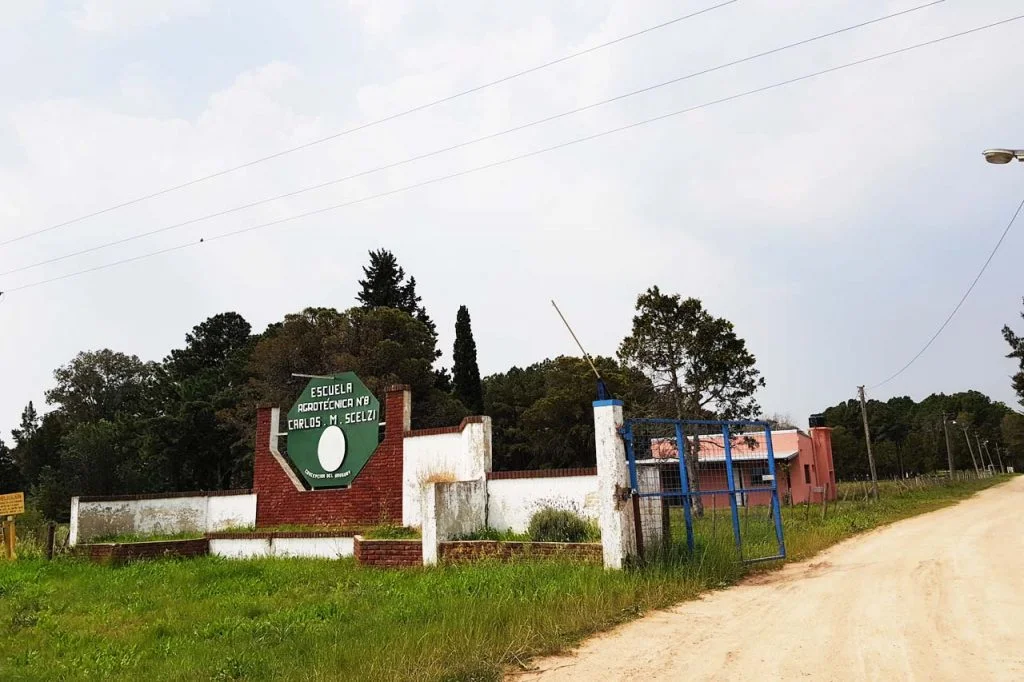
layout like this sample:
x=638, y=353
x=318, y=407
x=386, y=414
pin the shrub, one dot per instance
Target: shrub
x=559, y=525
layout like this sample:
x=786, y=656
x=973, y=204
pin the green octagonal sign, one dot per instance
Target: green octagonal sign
x=333, y=430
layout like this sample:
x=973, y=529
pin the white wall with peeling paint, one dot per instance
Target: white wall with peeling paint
x=443, y=457
x=160, y=515
x=511, y=502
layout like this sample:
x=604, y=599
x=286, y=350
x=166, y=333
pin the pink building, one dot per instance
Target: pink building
x=803, y=466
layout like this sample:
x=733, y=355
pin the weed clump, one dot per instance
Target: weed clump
x=559, y=525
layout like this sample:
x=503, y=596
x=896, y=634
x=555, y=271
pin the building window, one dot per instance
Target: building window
x=807, y=474
x=757, y=477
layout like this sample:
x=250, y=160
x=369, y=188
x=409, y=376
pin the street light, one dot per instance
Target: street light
x=969, y=448
x=1001, y=156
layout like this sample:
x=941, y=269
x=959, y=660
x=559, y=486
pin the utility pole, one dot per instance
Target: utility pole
x=971, y=450
x=1001, y=467
x=949, y=452
x=981, y=455
x=867, y=439
x=990, y=460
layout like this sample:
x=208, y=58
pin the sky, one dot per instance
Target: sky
x=835, y=221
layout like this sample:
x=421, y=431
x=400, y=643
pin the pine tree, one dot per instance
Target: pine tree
x=29, y=425
x=385, y=286
x=411, y=303
x=468, y=388
x=10, y=477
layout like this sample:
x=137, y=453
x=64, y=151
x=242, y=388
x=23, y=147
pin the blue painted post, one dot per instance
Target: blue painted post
x=684, y=482
x=638, y=531
x=732, y=490
x=627, y=435
x=776, y=512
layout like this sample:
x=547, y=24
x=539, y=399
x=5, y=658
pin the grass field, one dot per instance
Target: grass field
x=317, y=619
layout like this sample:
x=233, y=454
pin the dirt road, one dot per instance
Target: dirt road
x=935, y=597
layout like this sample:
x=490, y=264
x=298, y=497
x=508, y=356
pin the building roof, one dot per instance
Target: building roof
x=744, y=447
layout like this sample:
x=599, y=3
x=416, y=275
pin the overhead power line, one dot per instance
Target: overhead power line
x=364, y=126
x=520, y=157
x=466, y=143
x=962, y=298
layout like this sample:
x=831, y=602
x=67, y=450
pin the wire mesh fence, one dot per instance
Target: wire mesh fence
x=704, y=486
x=860, y=489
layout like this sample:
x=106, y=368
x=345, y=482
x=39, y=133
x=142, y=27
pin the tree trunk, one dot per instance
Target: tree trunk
x=691, y=473
x=691, y=458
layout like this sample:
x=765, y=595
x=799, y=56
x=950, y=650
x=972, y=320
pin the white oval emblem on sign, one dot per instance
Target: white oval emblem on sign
x=330, y=450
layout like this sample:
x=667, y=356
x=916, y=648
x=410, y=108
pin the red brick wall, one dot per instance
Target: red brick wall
x=474, y=550
x=119, y=553
x=388, y=553
x=375, y=495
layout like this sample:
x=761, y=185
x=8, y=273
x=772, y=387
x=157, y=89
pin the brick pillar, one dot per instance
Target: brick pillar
x=821, y=437
x=397, y=403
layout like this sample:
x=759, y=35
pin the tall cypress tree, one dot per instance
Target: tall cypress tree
x=468, y=388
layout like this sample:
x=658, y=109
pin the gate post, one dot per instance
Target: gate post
x=618, y=538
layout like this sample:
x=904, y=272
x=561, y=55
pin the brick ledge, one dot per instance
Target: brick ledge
x=541, y=473
x=160, y=496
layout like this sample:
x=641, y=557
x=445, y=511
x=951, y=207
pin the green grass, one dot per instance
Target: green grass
x=145, y=537
x=318, y=619
x=489, y=533
x=385, y=532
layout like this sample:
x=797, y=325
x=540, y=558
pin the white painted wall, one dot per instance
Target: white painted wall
x=230, y=511
x=166, y=515
x=463, y=456
x=251, y=548
x=511, y=502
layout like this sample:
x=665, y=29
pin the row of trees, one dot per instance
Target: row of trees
x=118, y=424
x=909, y=437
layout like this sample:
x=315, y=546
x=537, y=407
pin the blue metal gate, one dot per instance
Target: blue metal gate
x=695, y=480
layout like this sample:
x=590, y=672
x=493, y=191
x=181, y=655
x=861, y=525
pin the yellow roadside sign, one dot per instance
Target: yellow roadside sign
x=12, y=503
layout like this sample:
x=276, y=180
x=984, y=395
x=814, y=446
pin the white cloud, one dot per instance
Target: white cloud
x=735, y=204
x=111, y=16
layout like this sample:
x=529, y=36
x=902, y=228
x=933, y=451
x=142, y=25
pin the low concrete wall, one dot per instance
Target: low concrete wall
x=168, y=513
x=255, y=545
x=449, y=510
x=475, y=550
x=652, y=509
x=513, y=497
